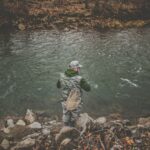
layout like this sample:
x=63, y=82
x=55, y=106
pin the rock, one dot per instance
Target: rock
x=66, y=144
x=6, y=130
x=126, y=122
x=34, y=135
x=65, y=141
x=53, y=122
x=83, y=121
x=28, y=143
x=46, y=131
x=20, y=123
x=30, y=116
x=100, y=120
x=144, y=122
x=5, y=144
x=67, y=132
x=66, y=29
x=56, y=128
x=10, y=123
x=21, y=27
x=18, y=132
x=35, y=125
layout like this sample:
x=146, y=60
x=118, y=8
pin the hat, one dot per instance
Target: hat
x=75, y=64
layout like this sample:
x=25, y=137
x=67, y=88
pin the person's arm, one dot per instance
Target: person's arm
x=58, y=84
x=84, y=85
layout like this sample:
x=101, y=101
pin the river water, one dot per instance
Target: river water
x=116, y=64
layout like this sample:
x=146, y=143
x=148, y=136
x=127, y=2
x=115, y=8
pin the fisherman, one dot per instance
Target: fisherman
x=70, y=82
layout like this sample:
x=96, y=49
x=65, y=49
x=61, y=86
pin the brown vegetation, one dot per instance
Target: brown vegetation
x=29, y=14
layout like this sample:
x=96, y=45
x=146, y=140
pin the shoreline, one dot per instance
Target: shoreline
x=37, y=131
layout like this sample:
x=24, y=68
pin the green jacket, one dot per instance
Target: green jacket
x=71, y=79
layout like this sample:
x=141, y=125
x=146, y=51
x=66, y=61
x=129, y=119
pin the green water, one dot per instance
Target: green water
x=116, y=64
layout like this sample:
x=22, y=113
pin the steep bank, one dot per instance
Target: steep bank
x=46, y=14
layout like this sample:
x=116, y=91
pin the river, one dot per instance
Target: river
x=116, y=63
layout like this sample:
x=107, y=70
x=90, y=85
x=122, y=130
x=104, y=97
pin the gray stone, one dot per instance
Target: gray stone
x=5, y=144
x=46, y=131
x=30, y=116
x=65, y=141
x=6, y=130
x=21, y=27
x=66, y=144
x=35, y=125
x=53, y=122
x=10, y=123
x=100, y=120
x=20, y=123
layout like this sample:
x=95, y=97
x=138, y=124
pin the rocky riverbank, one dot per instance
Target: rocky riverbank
x=54, y=14
x=37, y=131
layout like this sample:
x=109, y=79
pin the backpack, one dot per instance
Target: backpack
x=73, y=99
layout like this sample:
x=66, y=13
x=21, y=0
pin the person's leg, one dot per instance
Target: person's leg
x=65, y=117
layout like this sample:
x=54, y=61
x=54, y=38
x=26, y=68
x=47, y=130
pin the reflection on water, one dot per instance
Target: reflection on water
x=116, y=63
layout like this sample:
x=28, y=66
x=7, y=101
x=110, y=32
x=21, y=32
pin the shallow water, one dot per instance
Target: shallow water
x=116, y=64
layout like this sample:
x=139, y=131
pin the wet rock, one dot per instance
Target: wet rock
x=5, y=144
x=20, y=123
x=100, y=120
x=30, y=116
x=126, y=122
x=35, y=125
x=65, y=144
x=53, y=122
x=21, y=27
x=67, y=132
x=28, y=143
x=6, y=130
x=83, y=121
x=10, y=123
x=144, y=122
x=45, y=131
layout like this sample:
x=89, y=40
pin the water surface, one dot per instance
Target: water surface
x=116, y=64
